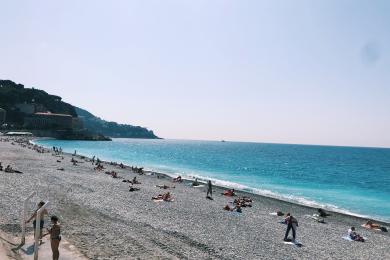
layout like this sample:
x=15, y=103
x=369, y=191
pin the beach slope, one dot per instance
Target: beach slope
x=103, y=220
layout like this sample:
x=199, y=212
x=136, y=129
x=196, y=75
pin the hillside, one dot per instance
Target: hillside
x=19, y=102
x=12, y=94
x=113, y=129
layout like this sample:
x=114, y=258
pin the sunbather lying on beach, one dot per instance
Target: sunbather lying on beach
x=322, y=213
x=370, y=225
x=236, y=208
x=9, y=169
x=229, y=193
x=355, y=236
x=135, y=181
x=165, y=187
x=195, y=183
x=243, y=202
x=317, y=218
x=177, y=179
x=165, y=197
x=131, y=189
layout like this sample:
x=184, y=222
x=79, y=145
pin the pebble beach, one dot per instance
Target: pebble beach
x=103, y=220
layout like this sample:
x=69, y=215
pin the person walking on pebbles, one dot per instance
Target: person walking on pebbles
x=209, y=190
x=292, y=224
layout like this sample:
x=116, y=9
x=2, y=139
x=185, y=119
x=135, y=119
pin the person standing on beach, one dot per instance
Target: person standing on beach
x=209, y=189
x=292, y=224
x=42, y=222
x=55, y=237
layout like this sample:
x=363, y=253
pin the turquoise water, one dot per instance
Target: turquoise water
x=346, y=179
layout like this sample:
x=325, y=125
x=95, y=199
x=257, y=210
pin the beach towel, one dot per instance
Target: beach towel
x=161, y=200
x=296, y=243
x=316, y=218
x=348, y=238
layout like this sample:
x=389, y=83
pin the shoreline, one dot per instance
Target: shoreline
x=252, y=192
x=103, y=220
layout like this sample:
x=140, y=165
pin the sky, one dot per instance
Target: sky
x=308, y=72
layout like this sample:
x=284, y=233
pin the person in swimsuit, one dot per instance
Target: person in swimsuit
x=55, y=237
x=42, y=222
x=229, y=193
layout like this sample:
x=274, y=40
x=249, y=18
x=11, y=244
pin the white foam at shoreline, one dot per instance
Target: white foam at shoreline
x=268, y=193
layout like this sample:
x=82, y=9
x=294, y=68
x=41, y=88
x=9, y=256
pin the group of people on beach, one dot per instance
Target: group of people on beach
x=292, y=224
x=165, y=197
x=237, y=205
x=57, y=150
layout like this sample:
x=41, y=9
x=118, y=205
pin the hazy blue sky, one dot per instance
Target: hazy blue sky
x=271, y=71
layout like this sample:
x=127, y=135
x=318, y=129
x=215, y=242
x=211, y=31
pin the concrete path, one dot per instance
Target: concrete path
x=67, y=251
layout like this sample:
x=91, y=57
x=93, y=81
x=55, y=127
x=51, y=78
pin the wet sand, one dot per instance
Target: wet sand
x=103, y=220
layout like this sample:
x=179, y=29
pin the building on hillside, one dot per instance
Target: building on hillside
x=3, y=114
x=48, y=121
x=30, y=108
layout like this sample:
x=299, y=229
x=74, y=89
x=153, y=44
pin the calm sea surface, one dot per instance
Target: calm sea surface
x=345, y=179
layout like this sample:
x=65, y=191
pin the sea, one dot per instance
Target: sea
x=351, y=180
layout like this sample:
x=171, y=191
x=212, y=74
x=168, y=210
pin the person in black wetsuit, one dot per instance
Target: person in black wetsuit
x=209, y=189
